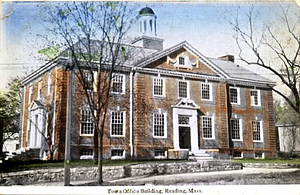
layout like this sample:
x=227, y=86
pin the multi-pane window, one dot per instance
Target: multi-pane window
x=158, y=86
x=183, y=89
x=160, y=153
x=117, y=123
x=183, y=120
x=86, y=154
x=87, y=125
x=234, y=95
x=235, y=129
x=159, y=125
x=256, y=126
x=181, y=61
x=117, y=154
x=206, y=91
x=258, y=155
x=255, y=99
x=117, y=83
x=88, y=80
x=207, y=127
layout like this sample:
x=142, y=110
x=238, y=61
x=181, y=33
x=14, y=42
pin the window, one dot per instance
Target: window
x=183, y=89
x=257, y=130
x=206, y=91
x=236, y=129
x=234, y=95
x=158, y=87
x=258, y=155
x=88, y=80
x=160, y=125
x=117, y=121
x=181, y=61
x=86, y=154
x=117, y=154
x=160, y=153
x=118, y=83
x=207, y=127
x=255, y=97
x=237, y=154
x=87, y=125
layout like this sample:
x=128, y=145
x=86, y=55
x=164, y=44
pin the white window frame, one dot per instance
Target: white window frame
x=163, y=87
x=123, y=83
x=262, y=155
x=242, y=156
x=184, y=61
x=187, y=90
x=240, y=129
x=258, y=98
x=210, y=91
x=160, y=157
x=165, y=125
x=123, y=125
x=238, y=95
x=212, y=127
x=90, y=122
x=86, y=156
x=261, y=130
x=117, y=157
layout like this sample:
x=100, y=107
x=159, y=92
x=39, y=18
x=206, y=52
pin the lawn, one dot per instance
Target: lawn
x=271, y=160
x=7, y=166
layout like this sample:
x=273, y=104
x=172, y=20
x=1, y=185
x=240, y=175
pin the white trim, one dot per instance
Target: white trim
x=117, y=157
x=262, y=155
x=212, y=127
x=165, y=125
x=258, y=98
x=123, y=83
x=187, y=89
x=240, y=130
x=210, y=91
x=238, y=95
x=124, y=123
x=81, y=121
x=163, y=87
x=261, y=132
x=161, y=157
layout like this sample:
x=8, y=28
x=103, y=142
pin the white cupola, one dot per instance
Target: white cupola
x=147, y=22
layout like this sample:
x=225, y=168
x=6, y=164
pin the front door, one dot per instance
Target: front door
x=185, y=138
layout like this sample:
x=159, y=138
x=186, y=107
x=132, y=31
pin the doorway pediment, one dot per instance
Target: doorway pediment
x=187, y=104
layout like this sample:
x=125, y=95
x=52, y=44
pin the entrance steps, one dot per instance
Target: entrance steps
x=200, y=155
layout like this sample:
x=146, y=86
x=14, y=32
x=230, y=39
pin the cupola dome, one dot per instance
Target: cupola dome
x=146, y=11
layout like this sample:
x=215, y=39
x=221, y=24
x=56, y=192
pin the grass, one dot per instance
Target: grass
x=7, y=166
x=271, y=160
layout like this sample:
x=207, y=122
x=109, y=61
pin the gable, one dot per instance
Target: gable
x=182, y=58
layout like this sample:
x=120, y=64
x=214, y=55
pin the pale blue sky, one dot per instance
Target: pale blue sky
x=203, y=25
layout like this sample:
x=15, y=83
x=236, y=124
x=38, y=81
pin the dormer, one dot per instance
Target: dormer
x=183, y=62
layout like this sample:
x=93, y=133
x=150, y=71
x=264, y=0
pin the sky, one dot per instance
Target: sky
x=204, y=25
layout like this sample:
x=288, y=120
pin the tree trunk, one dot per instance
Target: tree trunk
x=1, y=137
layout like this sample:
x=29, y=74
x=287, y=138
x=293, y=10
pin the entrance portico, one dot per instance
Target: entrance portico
x=185, y=125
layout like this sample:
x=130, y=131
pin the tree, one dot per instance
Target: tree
x=274, y=48
x=92, y=34
x=10, y=113
x=291, y=121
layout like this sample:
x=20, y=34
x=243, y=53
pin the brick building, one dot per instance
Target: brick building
x=173, y=101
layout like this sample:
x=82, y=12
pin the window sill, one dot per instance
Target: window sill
x=204, y=138
x=86, y=135
x=157, y=137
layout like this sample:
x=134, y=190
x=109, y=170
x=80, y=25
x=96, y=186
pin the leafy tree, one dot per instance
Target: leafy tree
x=9, y=112
x=92, y=36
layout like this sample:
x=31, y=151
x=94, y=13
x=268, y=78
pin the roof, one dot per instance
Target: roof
x=146, y=11
x=224, y=68
x=238, y=72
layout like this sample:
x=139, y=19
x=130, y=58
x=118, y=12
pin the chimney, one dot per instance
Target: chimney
x=149, y=43
x=229, y=58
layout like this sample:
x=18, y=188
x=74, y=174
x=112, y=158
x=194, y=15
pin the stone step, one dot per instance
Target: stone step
x=201, y=158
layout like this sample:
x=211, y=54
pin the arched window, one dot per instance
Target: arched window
x=151, y=25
